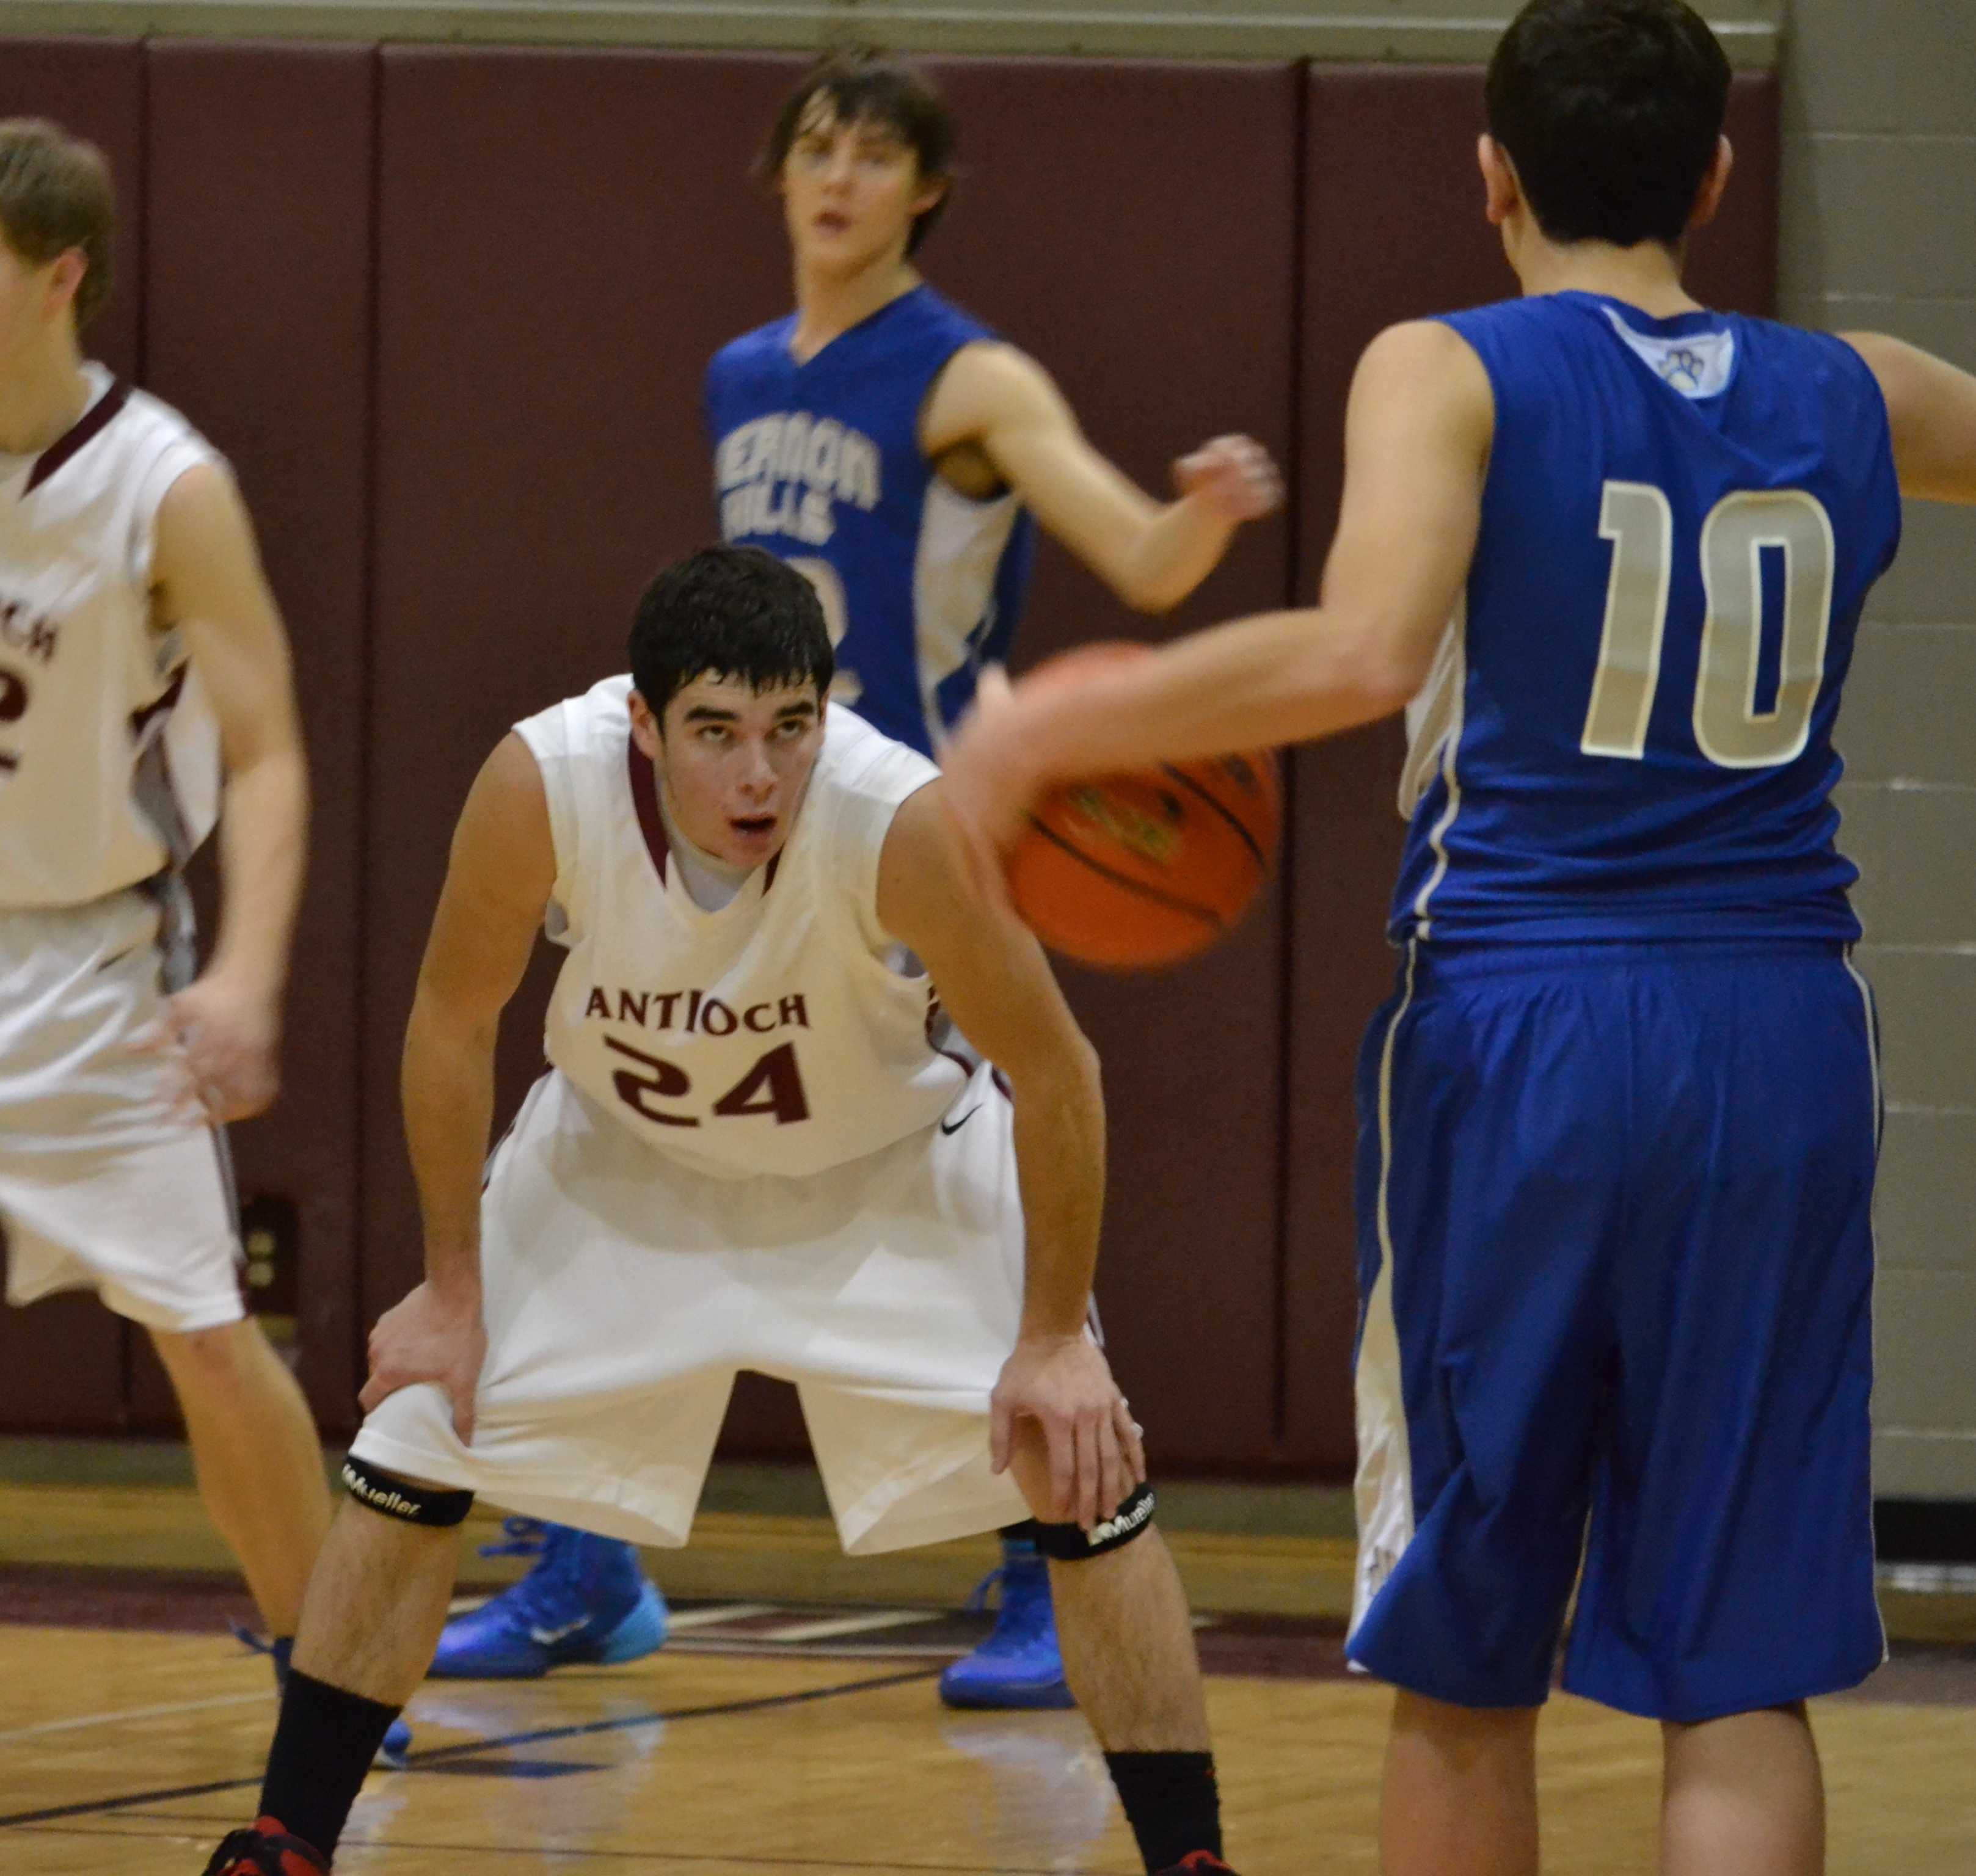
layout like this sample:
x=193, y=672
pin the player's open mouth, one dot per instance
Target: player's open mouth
x=752, y=826
x=831, y=223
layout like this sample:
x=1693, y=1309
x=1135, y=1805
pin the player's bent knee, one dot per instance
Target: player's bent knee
x=1071, y=1543
x=408, y=1500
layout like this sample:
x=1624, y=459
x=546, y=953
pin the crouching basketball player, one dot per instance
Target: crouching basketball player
x=750, y=1151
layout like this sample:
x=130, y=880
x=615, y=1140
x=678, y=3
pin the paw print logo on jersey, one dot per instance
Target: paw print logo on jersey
x=1683, y=368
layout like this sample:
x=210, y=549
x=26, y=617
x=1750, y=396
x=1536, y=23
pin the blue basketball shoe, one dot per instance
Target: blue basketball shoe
x=1019, y=1664
x=397, y=1737
x=587, y=1599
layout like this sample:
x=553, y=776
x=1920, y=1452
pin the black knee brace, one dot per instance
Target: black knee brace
x=1071, y=1543
x=393, y=1497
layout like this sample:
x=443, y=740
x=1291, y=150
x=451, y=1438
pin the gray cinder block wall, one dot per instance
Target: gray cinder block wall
x=1880, y=232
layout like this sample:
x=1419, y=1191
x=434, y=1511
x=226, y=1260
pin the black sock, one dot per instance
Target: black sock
x=324, y=1742
x=1171, y=1802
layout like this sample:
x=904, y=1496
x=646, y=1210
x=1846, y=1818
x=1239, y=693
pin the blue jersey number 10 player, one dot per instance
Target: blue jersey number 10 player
x=1618, y=1123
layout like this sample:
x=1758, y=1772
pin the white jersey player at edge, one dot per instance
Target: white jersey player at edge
x=748, y=1151
x=141, y=657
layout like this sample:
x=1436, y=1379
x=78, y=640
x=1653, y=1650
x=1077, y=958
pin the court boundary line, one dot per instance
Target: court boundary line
x=499, y=1743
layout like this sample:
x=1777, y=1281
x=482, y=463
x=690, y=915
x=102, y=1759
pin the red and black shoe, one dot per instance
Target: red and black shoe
x=1198, y=1863
x=267, y=1850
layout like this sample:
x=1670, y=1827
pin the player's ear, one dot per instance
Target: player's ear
x=65, y=274
x=1499, y=180
x=646, y=733
x=1708, y=198
x=932, y=189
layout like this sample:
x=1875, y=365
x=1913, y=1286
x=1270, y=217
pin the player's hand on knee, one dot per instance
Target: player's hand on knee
x=1235, y=475
x=1092, y=1457
x=227, y=1037
x=434, y=1335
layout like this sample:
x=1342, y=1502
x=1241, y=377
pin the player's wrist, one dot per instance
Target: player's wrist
x=1046, y=1334
x=256, y=982
x=454, y=1282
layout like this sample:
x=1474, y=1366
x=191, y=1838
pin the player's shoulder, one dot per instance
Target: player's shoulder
x=928, y=306
x=858, y=754
x=596, y=721
x=766, y=348
x=861, y=762
x=142, y=427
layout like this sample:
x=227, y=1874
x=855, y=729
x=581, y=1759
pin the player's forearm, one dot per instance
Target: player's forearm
x=1279, y=677
x=263, y=848
x=1059, y=1137
x=446, y=1083
x=1177, y=547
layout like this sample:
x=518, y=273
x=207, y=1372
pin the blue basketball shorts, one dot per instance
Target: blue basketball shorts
x=1615, y=1327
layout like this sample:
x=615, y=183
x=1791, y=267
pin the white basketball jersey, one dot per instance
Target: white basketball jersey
x=109, y=755
x=778, y=1034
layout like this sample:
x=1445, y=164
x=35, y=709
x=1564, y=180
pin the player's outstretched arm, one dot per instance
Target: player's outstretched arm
x=208, y=585
x=1931, y=411
x=996, y=984
x=1418, y=428
x=499, y=877
x=1152, y=555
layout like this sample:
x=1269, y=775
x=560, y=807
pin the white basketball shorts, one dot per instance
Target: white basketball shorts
x=101, y=1186
x=623, y=1291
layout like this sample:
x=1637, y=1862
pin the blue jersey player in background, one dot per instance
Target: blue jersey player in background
x=896, y=451
x=1618, y=1123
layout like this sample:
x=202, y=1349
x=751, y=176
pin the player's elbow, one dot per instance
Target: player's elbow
x=1060, y=1072
x=1380, y=666
x=1144, y=593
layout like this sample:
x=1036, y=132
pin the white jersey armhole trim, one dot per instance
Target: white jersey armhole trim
x=176, y=457
x=547, y=736
x=1452, y=673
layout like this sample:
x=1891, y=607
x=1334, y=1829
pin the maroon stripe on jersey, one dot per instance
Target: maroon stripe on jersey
x=768, y=877
x=83, y=431
x=934, y=1016
x=141, y=720
x=645, y=799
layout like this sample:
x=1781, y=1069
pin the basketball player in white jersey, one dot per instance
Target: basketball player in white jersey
x=750, y=1150
x=901, y=454
x=141, y=660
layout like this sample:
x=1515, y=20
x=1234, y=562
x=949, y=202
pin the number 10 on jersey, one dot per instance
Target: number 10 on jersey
x=1729, y=728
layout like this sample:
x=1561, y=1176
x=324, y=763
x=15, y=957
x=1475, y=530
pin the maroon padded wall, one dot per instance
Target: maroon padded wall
x=447, y=310
x=62, y=1362
x=1393, y=229
x=539, y=446
x=257, y=319
x=1166, y=319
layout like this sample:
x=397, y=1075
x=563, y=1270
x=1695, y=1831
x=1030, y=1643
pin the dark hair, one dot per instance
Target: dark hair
x=866, y=88
x=729, y=612
x=1610, y=110
x=55, y=194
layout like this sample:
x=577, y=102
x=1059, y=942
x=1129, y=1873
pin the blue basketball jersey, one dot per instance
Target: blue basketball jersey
x=1629, y=732
x=821, y=464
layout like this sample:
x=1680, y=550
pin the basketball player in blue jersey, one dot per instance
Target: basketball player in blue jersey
x=893, y=449
x=1618, y=1125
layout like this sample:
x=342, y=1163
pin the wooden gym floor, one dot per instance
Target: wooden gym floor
x=791, y=1728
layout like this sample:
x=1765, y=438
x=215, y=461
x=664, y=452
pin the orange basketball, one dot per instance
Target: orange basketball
x=1131, y=871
